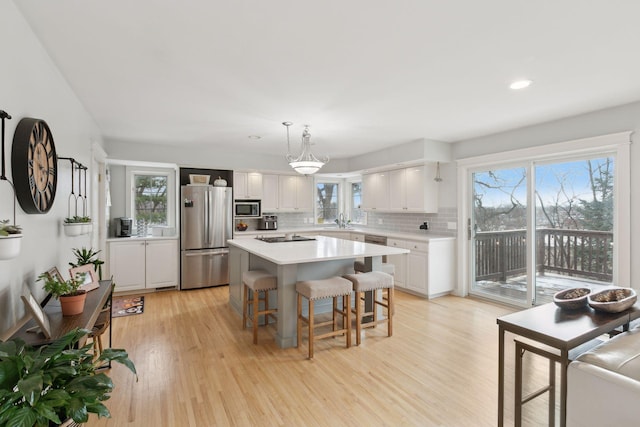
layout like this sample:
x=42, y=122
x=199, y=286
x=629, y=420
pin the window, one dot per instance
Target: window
x=356, y=213
x=327, y=202
x=152, y=196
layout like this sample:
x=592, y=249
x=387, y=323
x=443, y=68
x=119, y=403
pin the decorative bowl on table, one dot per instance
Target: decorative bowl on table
x=613, y=300
x=572, y=299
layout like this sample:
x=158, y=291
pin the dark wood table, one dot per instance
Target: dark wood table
x=60, y=325
x=563, y=330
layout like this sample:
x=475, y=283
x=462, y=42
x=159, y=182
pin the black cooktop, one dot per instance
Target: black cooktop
x=279, y=239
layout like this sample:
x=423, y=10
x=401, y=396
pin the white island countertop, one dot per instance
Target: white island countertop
x=322, y=249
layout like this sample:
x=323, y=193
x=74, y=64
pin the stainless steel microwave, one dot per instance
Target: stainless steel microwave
x=247, y=209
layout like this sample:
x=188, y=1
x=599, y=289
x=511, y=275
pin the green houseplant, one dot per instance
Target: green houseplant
x=77, y=225
x=10, y=240
x=86, y=256
x=55, y=382
x=71, y=297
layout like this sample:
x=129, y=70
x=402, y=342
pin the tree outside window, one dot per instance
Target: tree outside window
x=327, y=202
x=357, y=213
x=150, y=202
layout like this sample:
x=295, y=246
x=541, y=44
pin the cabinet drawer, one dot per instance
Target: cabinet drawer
x=417, y=246
x=395, y=243
x=357, y=237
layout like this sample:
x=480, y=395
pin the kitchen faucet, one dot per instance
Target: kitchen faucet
x=340, y=221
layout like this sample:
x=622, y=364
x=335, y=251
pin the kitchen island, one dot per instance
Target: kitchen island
x=294, y=261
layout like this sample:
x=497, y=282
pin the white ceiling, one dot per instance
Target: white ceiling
x=365, y=74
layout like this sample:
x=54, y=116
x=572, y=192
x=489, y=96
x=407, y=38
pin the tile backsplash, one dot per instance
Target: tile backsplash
x=400, y=222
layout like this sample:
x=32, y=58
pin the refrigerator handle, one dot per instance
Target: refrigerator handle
x=207, y=217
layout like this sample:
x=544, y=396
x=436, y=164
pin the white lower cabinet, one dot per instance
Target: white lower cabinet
x=428, y=270
x=357, y=237
x=143, y=264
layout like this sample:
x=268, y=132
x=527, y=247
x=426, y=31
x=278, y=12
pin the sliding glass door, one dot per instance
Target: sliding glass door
x=573, y=225
x=540, y=227
x=498, y=230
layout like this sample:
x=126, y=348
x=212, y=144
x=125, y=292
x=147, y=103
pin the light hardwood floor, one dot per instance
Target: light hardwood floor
x=198, y=368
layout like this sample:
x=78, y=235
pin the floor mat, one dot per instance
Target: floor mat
x=127, y=306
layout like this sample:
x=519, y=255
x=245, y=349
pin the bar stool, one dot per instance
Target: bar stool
x=257, y=281
x=372, y=282
x=313, y=290
x=359, y=267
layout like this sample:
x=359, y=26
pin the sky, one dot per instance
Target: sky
x=550, y=178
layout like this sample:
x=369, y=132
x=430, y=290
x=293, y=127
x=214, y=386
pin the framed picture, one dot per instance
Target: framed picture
x=199, y=179
x=55, y=274
x=36, y=312
x=90, y=281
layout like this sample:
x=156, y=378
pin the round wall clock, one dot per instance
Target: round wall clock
x=34, y=166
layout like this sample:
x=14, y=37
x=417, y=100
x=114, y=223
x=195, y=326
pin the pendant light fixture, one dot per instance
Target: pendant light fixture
x=306, y=163
x=437, y=178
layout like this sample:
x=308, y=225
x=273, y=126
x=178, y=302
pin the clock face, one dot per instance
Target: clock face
x=34, y=166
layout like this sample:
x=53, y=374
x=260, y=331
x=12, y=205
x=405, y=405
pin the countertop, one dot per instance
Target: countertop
x=322, y=249
x=421, y=236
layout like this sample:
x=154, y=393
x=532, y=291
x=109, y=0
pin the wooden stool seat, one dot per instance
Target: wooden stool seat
x=372, y=281
x=257, y=281
x=313, y=290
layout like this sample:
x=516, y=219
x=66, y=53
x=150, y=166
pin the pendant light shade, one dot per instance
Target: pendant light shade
x=306, y=163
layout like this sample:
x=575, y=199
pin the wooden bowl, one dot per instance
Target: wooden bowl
x=572, y=299
x=613, y=300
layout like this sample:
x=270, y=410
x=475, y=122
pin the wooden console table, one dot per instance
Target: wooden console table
x=563, y=330
x=60, y=324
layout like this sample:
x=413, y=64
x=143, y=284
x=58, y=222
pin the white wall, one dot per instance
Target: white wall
x=31, y=86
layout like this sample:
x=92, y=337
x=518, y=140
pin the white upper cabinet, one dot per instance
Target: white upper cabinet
x=270, y=191
x=375, y=191
x=247, y=185
x=295, y=193
x=401, y=190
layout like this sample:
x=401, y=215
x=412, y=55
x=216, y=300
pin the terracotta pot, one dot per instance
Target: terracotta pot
x=72, y=305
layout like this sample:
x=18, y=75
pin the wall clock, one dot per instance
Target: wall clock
x=34, y=166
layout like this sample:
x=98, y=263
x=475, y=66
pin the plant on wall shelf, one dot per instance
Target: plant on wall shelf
x=77, y=225
x=77, y=219
x=55, y=382
x=6, y=229
x=10, y=240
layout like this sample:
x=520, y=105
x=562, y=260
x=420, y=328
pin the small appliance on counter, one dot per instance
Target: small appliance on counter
x=124, y=227
x=268, y=222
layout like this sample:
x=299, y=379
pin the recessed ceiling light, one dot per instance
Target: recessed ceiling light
x=254, y=137
x=520, y=84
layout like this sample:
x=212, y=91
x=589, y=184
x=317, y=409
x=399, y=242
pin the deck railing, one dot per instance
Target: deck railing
x=587, y=254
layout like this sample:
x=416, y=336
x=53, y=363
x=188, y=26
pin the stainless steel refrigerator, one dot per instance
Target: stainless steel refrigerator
x=205, y=224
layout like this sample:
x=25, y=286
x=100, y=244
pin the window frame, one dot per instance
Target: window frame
x=340, y=195
x=170, y=173
x=616, y=145
x=349, y=199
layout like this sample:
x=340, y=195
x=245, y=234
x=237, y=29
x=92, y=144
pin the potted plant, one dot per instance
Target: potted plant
x=10, y=240
x=86, y=256
x=71, y=297
x=77, y=225
x=56, y=382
